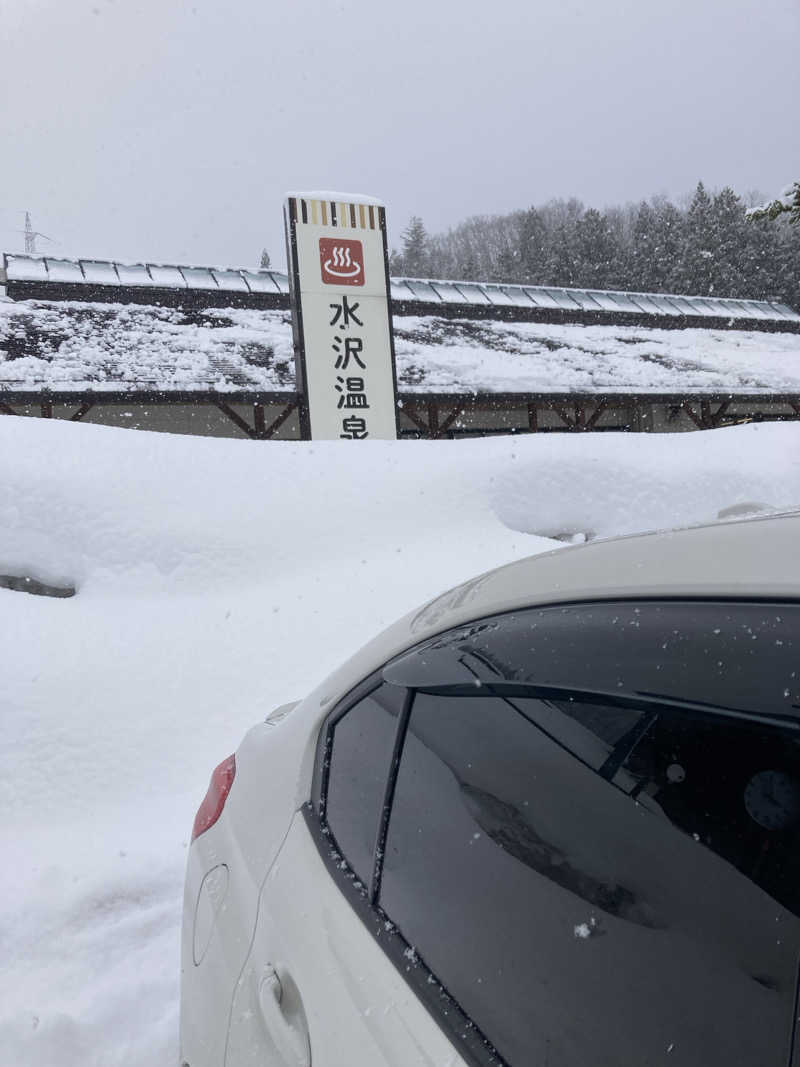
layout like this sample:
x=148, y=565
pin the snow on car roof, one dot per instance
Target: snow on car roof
x=81, y=346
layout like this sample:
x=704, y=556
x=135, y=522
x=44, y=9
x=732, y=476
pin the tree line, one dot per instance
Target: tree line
x=706, y=246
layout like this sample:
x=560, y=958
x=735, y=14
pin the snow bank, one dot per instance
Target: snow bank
x=217, y=579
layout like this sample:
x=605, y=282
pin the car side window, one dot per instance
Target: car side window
x=598, y=879
x=360, y=753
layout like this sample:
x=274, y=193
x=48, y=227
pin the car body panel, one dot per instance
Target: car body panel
x=359, y=1009
x=245, y=840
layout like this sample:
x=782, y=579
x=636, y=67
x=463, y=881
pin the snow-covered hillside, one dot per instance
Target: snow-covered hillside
x=216, y=579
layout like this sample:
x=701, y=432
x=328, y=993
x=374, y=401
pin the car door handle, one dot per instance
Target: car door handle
x=284, y=1017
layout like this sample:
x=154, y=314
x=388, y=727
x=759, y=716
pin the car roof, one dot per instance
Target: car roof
x=745, y=559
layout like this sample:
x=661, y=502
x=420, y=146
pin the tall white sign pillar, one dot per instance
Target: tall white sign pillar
x=339, y=283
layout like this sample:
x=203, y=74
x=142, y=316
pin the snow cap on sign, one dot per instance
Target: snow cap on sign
x=339, y=198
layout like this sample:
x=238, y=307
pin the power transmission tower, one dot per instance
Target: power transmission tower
x=31, y=235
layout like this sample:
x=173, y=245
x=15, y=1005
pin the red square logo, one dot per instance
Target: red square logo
x=341, y=261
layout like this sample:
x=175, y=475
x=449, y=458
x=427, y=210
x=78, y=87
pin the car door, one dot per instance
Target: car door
x=563, y=836
x=318, y=986
x=594, y=840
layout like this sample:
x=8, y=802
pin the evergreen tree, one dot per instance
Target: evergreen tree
x=264, y=264
x=533, y=248
x=469, y=270
x=563, y=257
x=395, y=263
x=694, y=271
x=704, y=247
x=595, y=251
x=760, y=269
x=415, y=248
x=727, y=243
x=655, y=249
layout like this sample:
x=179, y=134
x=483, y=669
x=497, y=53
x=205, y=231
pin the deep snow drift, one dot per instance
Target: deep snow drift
x=216, y=579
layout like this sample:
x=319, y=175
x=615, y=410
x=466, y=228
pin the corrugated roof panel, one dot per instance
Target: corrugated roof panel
x=584, y=300
x=740, y=308
x=281, y=280
x=605, y=300
x=260, y=281
x=703, y=307
x=473, y=294
x=99, y=272
x=562, y=299
x=64, y=270
x=773, y=311
x=498, y=296
x=166, y=277
x=728, y=307
x=448, y=292
x=682, y=304
x=133, y=274
x=540, y=297
x=399, y=290
x=786, y=311
x=26, y=269
x=198, y=278
x=756, y=310
x=423, y=291
x=517, y=295
x=230, y=280
x=623, y=302
x=716, y=305
x=655, y=305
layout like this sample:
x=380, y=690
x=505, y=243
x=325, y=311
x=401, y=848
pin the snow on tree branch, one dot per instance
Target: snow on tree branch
x=788, y=201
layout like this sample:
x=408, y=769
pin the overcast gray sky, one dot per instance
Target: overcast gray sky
x=170, y=129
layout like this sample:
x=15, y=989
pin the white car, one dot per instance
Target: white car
x=551, y=819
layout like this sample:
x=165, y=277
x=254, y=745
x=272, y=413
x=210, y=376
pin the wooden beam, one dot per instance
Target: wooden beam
x=412, y=415
x=696, y=419
x=276, y=424
x=563, y=414
x=719, y=414
x=84, y=409
x=258, y=420
x=448, y=422
x=433, y=418
x=533, y=416
x=6, y=409
x=236, y=418
x=598, y=411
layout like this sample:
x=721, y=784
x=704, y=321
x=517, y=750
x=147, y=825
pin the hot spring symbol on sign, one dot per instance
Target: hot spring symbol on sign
x=341, y=261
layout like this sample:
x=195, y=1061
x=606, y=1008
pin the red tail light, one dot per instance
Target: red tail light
x=214, y=800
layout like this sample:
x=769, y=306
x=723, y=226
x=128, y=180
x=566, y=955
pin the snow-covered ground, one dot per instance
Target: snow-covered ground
x=216, y=579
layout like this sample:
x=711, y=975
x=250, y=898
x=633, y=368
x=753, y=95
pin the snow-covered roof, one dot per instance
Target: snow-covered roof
x=480, y=298
x=69, y=346
x=576, y=301
x=96, y=272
